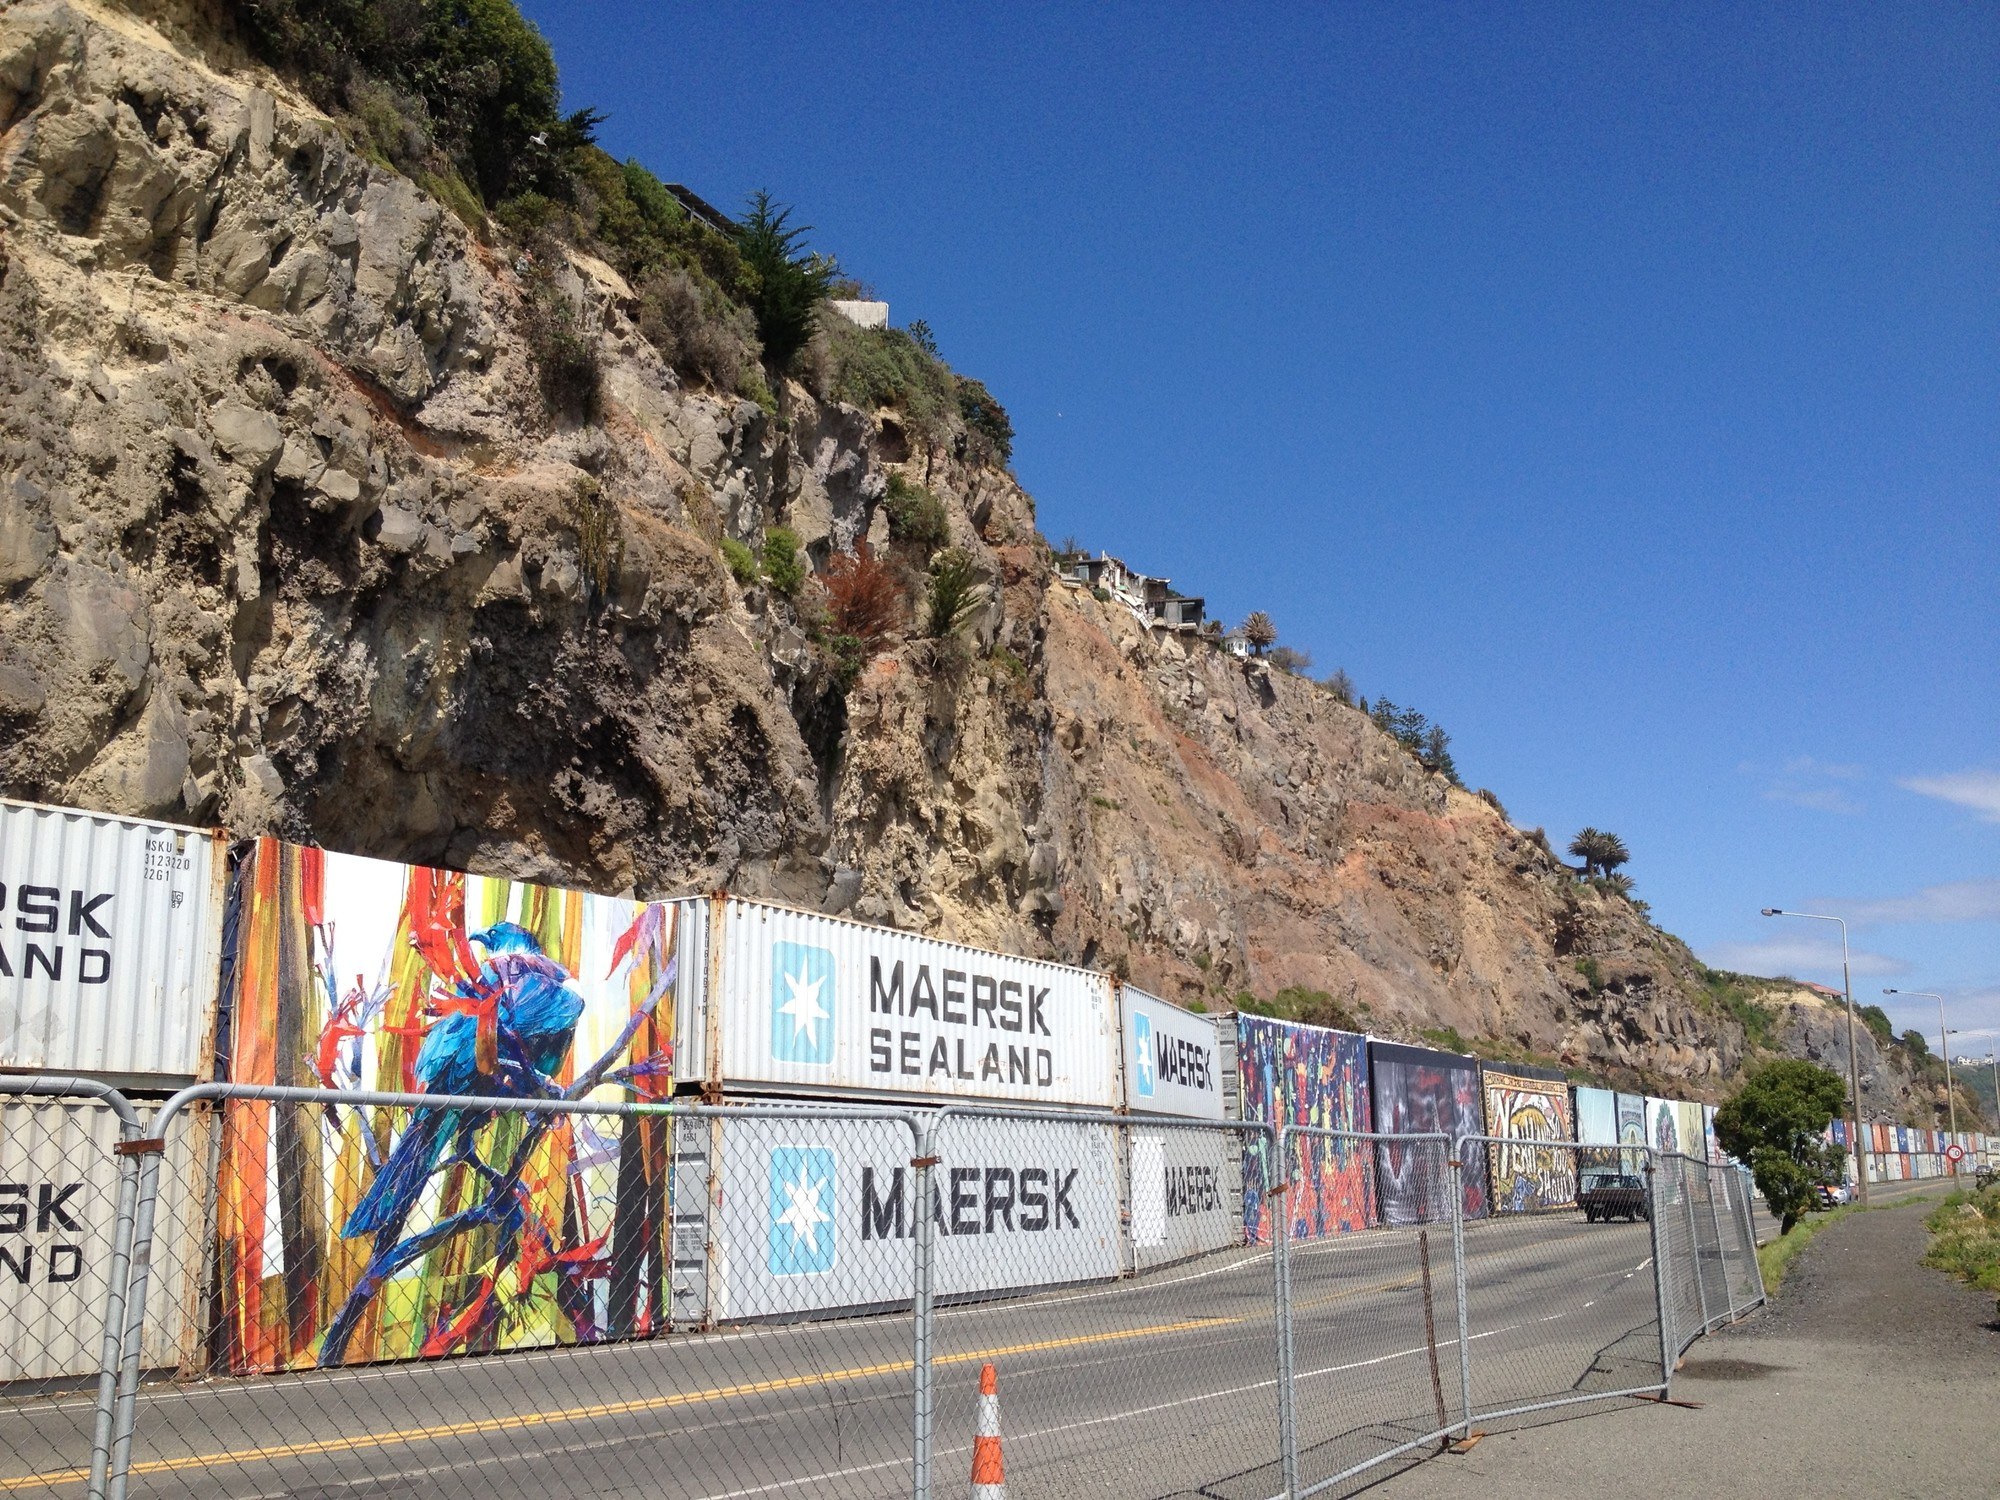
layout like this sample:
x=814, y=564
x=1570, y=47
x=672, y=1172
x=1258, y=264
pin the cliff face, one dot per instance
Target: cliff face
x=289, y=542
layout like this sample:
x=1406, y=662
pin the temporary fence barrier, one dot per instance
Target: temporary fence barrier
x=554, y=1293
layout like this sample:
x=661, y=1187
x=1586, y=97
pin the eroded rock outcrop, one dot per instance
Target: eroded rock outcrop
x=289, y=541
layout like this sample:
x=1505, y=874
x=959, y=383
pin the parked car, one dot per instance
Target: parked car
x=1833, y=1194
x=1612, y=1195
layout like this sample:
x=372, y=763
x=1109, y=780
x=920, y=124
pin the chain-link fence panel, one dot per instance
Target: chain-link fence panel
x=1687, y=1311
x=1373, y=1305
x=1703, y=1188
x=1101, y=1268
x=482, y=1298
x=67, y=1193
x=1725, y=1189
x=1561, y=1301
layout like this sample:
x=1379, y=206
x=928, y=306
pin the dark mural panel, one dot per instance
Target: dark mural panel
x=1417, y=1091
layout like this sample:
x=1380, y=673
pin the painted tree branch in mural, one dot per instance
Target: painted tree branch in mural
x=506, y=1029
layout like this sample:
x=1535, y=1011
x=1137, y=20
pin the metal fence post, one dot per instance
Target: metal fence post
x=1694, y=1240
x=923, y=1299
x=57, y=1086
x=1654, y=1204
x=1458, y=1277
x=1281, y=1275
x=119, y=1274
x=141, y=1267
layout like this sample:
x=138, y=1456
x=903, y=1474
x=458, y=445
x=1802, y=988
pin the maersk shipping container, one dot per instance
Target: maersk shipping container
x=799, y=1003
x=58, y=1201
x=815, y=1214
x=1185, y=1192
x=108, y=944
x=1172, y=1058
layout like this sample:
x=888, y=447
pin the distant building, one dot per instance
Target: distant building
x=863, y=314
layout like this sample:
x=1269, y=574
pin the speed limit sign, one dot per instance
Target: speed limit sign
x=1954, y=1153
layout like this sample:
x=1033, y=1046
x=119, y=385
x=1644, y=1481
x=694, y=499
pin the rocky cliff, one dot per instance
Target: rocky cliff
x=290, y=540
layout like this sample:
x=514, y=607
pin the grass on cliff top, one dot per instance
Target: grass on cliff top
x=1965, y=1237
x=1737, y=996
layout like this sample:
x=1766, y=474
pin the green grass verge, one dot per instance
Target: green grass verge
x=1776, y=1258
x=1965, y=1237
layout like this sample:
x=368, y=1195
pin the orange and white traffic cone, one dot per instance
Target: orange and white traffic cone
x=989, y=1478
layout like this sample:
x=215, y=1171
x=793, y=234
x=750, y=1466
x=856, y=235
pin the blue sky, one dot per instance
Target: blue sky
x=1620, y=386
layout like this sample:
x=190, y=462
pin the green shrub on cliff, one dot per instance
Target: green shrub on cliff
x=475, y=77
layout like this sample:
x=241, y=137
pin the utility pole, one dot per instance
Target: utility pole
x=1944, y=1043
x=1853, y=1046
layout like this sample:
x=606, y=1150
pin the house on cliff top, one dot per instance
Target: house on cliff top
x=1152, y=600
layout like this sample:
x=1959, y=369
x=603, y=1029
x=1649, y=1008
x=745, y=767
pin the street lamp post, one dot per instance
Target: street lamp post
x=1944, y=1038
x=1853, y=1047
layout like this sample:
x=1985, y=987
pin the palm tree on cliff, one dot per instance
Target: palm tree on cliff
x=1600, y=852
x=1260, y=632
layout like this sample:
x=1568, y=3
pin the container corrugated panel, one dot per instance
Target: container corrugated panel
x=58, y=1205
x=1186, y=1193
x=108, y=943
x=820, y=1214
x=814, y=1003
x=1172, y=1058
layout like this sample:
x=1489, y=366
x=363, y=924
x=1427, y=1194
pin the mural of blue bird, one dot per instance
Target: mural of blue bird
x=535, y=1013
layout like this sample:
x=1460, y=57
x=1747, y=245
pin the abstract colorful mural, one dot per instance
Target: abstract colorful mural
x=1418, y=1091
x=1526, y=1110
x=1306, y=1075
x=348, y=1234
x=1632, y=1131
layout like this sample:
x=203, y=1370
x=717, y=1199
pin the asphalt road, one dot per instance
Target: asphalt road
x=1160, y=1386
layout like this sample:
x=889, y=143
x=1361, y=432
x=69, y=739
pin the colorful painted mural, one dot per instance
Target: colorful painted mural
x=1694, y=1138
x=1527, y=1110
x=1632, y=1130
x=1417, y=1091
x=1663, y=1126
x=349, y=1234
x=1306, y=1075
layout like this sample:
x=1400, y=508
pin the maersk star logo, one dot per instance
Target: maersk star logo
x=801, y=1004
x=802, y=1228
x=1142, y=1061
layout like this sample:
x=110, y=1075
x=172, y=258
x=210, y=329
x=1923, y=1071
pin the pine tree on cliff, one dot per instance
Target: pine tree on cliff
x=786, y=283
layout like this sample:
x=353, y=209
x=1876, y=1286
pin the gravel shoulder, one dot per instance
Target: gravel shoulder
x=1867, y=1376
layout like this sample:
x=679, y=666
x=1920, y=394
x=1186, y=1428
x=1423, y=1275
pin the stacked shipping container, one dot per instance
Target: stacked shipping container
x=349, y=973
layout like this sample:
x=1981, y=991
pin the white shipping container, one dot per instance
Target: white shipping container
x=819, y=1214
x=807, y=1003
x=1172, y=1058
x=1187, y=1193
x=109, y=934
x=58, y=1206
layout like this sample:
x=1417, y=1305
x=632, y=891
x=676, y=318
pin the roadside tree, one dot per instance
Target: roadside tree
x=1777, y=1123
